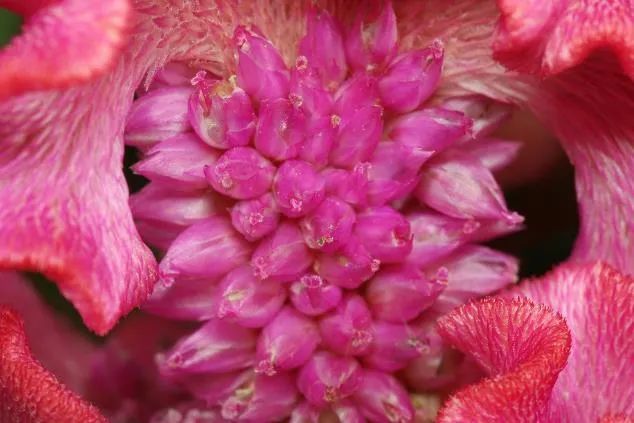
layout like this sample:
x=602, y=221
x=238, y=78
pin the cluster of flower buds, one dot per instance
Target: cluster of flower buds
x=317, y=219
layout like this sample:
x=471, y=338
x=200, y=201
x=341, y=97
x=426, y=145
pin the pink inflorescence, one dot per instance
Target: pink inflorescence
x=317, y=219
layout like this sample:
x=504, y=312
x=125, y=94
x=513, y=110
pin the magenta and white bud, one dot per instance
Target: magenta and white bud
x=173, y=74
x=435, y=236
x=350, y=186
x=240, y=173
x=263, y=399
x=248, y=301
x=298, y=188
x=255, y=218
x=157, y=116
x=261, y=69
x=382, y=398
x=347, y=411
x=349, y=267
x=177, y=162
x=348, y=330
x=329, y=227
x=371, y=41
x=494, y=154
x=400, y=293
x=487, y=114
x=280, y=130
x=357, y=92
x=411, y=78
x=222, y=114
x=313, y=296
x=206, y=250
x=320, y=136
x=214, y=388
x=307, y=90
x=216, y=347
x=327, y=378
x=184, y=300
x=323, y=47
x=385, y=233
x=286, y=343
x=305, y=413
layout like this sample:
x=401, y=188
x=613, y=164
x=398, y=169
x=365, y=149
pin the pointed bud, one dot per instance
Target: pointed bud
x=350, y=186
x=348, y=329
x=173, y=74
x=298, y=188
x=214, y=388
x=261, y=70
x=206, y=250
x=347, y=411
x=157, y=116
x=255, y=218
x=307, y=90
x=194, y=300
x=329, y=227
x=286, y=343
x=187, y=412
x=371, y=41
x=216, y=347
x=383, y=399
x=177, y=162
x=400, y=293
x=305, y=413
x=494, y=154
x=349, y=267
x=487, y=114
x=320, y=136
x=280, y=129
x=436, y=236
x=323, y=47
x=282, y=256
x=327, y=378
x=248, y=301
x=358, y=91
x=411, y=78
x=262, y=399
x=221, y=113
x=385, y=233
x=240, y=173
x=313, y=296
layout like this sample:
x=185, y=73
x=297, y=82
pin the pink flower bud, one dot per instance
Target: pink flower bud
x=350, y=186
x=329, y=227
x=157, y=116
x=206, y=250
x=348, y=329
x=430, y=130
x=400, y=293
x=261, y=70
x=323, y=47
x=326, y=378
x=241, y=173
x=305, y=413
x=255, y=218
x=298, y=188
x=494, y=154
x=411, y=78
x=347, y=411
x=248, y=301
x=173, y=74
x=178, y=162
x=349, y=267
x=313, y=296
x=286, y=343
x=320, y=136
x=187, y=412
x=282, y=256
x=383, y=399
x=486, y=113
x=214, y=388
x=221, y=114
x=307, y=90
x=371, y=41
x=385, y=233
x=280, y=129
x=358, y=91
x=216, y=347
x=263, y=399
x=184, y=300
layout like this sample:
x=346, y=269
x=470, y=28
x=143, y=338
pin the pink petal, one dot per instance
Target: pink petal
x=381, y=397
x=328, y=378
x=184, y=300
x=348, y=330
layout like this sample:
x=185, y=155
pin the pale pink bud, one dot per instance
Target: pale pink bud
x=173, y=74
x=436, y=236
x=383, y=399
x=326, y=378
x=358, y=91
x=241, y=173
x=280, y=130
x=385, y=233
x=263, y=399
x=400, y=293
x=313, y=296
x=214, y=388
x=178, y=162
x=261, y=70
x=320, y=136
x=431, y=129
x=487, y=114
x=184, y=300
x=494, y=154
x=221, y=114
x=305, y=413
x=298, y=188
x=371, y=41
x=187, y=412
x=347, y=411
x=349, y=267
x=216, y=347
x=282, y=256
x=350, y=186
x=286, y=343
x=323, y=47
x=329, y=227
x=411, y=78
x=255, y=218
x=206, y=250
x=348, y=329
x=157, y=116
x=307, y=90
x=248, y=301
